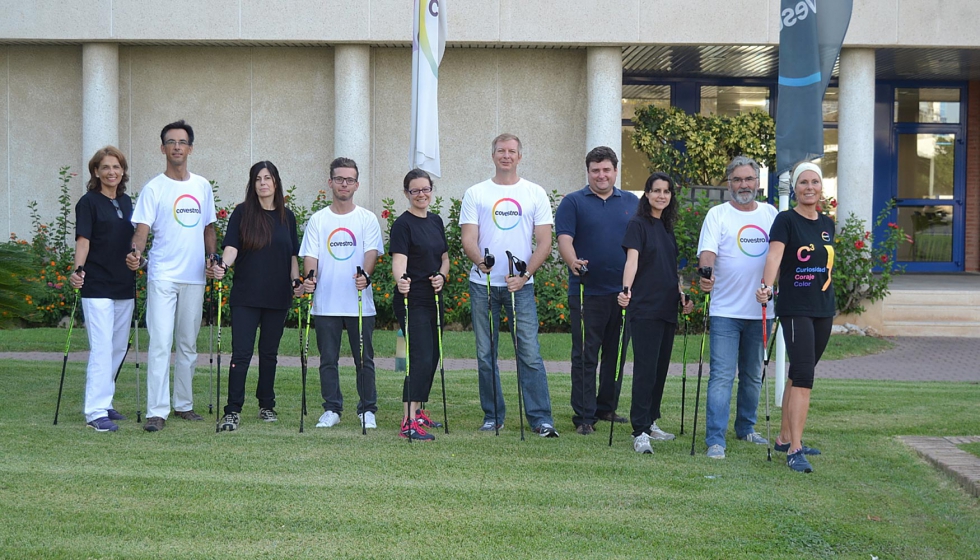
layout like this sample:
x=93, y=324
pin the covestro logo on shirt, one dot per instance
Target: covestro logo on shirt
x=187, y=211
x=506, y=213
x=753, y=241
x=341, y=244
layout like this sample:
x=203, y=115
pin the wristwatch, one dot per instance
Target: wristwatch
x=526, y=274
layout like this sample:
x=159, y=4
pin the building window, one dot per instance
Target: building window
x=633, y=170
x=927, y=105
x=733, y=100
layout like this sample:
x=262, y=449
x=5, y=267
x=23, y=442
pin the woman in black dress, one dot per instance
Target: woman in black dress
x=419, y=251
x=261, y=242
x=651, y=301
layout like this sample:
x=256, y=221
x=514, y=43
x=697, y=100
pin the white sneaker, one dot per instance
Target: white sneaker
x=328, y=419
x=641, y=444
x=368, y=420
x=658, y=434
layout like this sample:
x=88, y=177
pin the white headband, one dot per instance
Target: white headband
x=806, y=166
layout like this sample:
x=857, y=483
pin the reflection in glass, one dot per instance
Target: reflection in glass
x=927, y=105
x=633, y=170
x=931, y=229
x=828, y=163
x=733, y=100
x=830, y=105
x=925, y=165
x=635, y=96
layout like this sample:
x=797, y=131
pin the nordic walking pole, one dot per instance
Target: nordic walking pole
x=64, y=363
x=360, y=348
x=687, y=327
x=489, y=261
x=442, y=363
x=408, y=363
x=304, y=349
x=211, y=341
x=217, y=424
x=521, y=267
x=136, y=318
x=136, y=300
x=765, y=366
x=582, y=271
x=620, y=354
x=704, y=271
x=299, y=327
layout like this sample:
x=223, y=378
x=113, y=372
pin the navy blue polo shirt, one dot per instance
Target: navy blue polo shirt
x=597, y=227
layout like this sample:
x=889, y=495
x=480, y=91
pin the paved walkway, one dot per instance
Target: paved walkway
x=912, y=359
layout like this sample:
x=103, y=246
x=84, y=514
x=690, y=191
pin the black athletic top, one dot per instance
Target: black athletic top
x=655, y=293
x=423, y=241
x=263, y=277
x=808, y=260
x=110, y=239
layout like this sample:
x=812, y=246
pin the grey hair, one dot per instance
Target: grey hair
x=505, y=137
x=739, y=161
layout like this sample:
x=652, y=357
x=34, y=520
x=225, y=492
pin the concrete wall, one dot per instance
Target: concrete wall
x=578, y=22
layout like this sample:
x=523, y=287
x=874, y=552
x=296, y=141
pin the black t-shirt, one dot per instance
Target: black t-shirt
x=808, y=261
x=654, y=292
x=110, y=239
x=423, y=241
x=263, y=277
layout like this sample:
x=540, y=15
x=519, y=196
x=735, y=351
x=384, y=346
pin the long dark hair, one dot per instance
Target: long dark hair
x=256, y=229
x=669, y=215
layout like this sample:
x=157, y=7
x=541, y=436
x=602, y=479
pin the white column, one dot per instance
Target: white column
x=352, y=113
x=604, y=72
x=100, y=100
x=856, y=142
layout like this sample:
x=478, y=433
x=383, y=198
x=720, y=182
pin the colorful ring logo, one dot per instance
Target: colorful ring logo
x=341, y=244
x=186, y=209
x=506, y=213
x=750, y=243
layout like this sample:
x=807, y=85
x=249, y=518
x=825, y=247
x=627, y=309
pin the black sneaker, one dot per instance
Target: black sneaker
x=546, y=430
x=103, y=424
x=268, y=415
x=114, y=414
x=229, y=422
x=412, y=430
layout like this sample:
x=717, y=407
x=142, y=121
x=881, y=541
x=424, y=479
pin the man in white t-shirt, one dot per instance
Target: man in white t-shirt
x=177, y=206
x=339, y=239
x=734, y=242
x=503, y=214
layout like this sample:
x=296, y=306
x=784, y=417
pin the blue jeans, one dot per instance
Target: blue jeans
x=534, y=379
x=735, y=343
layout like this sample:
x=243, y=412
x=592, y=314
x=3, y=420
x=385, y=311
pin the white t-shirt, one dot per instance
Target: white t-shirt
x=338, y=242
x=741, y=242
x=177, y=213
x=506, y=216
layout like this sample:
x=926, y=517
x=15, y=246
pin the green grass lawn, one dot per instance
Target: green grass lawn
x=269, y=491
x=973, y=448
x=554, y=346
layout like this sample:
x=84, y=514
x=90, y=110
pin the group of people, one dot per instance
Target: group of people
x=620, y=250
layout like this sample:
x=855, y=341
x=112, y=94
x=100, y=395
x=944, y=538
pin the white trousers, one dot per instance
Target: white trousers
x=173, y=315
x=107, y=324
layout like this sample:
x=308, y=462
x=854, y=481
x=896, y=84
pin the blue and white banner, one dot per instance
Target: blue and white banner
x=428, y=46
x=810, y=36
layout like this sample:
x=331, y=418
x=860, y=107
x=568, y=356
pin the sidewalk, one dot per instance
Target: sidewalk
x=912, y=359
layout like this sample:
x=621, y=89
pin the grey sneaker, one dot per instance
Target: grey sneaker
x=716, y=452
x=229, y=422
x=489, y=426
x=268, y=415
x=658, y=434
x=755, y=437
x=641, y=444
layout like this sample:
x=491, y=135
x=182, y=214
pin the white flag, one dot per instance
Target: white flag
x=428, y=46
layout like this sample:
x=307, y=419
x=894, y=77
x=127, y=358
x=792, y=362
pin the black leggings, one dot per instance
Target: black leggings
x=653, y=340
x=244, y=322
x=806, y=339
x=423, y=345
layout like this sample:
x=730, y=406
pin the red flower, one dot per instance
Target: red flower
x=884, y=258
x=859, y=245
x=222, y=214
x=385, y=214
x=833, y=203
x=893, y=225
x=867, y=234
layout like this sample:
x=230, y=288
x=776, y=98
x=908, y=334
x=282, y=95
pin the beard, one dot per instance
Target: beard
x=743, y=197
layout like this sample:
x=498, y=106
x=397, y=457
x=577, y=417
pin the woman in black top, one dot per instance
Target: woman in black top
x=261, y=242
x=103, y=236
x=801, y=256
x=419, y=250
x=651, y=300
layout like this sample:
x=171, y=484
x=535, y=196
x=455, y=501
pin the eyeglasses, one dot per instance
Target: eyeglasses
x=739, y=180
x=423, y=190
x=350, y=181
x=181, y=143
x=115, y=203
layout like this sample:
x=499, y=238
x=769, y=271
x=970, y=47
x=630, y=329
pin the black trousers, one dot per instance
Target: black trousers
x=603, y=320
x=653, y=341
x=423, y=345
x=806, y=339
x=244, y=322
